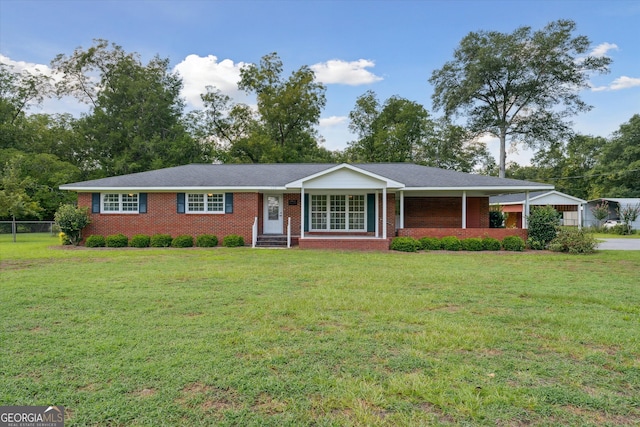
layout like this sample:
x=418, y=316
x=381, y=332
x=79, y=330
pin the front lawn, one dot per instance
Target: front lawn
x=288, y=337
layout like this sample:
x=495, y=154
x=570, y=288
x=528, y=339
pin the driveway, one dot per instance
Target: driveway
x=620, y=244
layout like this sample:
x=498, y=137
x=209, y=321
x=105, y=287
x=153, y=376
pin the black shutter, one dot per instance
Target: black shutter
x=95, y=202
x=142, y=203
x=305, y=218
x=228, y=202
x=371, y=212
x=180, y=203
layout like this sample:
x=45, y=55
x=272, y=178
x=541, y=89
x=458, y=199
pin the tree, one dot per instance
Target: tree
x=628, y=214
x=392, y=132
x=288, y=109
x=617, y=173
x=600, y=211
x=72, y=220
x=14, y=200
x=520, y=86
x=136, y=121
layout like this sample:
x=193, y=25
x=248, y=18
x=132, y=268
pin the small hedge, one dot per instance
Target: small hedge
x=471, y=244
x=95, y=241
x=430, y=244
x=206, y=241
x=161, y=241
x=117, y=241
x=491, y=244
x=140, y=241
x=64, y=239
x=513, y=243
x=182, y=241
x=573, y=241
x=451, y=243
x=232, y=241
x=405, y=244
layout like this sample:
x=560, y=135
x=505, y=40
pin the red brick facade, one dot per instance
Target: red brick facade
x=424, y=216
x=162, y=217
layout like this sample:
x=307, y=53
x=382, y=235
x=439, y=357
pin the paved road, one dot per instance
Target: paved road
x=620, y=244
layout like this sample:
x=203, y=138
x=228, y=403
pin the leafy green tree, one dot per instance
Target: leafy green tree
x=617, y=173
x=392, y=132
x=72, y=220
x=136, y=122
x=519, y=86
x=14, y=200
x=543, y=224
x=288, y=111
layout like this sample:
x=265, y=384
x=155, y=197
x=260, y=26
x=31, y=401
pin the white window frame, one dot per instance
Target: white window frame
x=207, y=201
x=347, y=212
x=122, y=200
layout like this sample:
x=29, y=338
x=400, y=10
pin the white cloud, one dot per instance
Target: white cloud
x=332, y=121
x=603, y=48
x=620, y=83
x=352, y=73
x=30, y=67
x=199, y=72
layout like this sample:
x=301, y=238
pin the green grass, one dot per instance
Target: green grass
x=235, y=336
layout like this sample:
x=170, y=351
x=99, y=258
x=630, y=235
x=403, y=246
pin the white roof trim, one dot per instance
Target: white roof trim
x=481, y=188
x=389, y=182
x=169, y=189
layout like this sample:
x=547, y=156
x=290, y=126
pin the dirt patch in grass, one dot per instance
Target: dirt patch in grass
x=430, y=408
x=267, y=405
x=145, y=392
x=209, y=398
x=603, y=418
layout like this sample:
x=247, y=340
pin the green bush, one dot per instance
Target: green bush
x=535, y=244
x=621, y=229
x=206, y=241
x=232, y=241
x=491, y=244
x=543, y=224
x=160, y=241
x=496, y=219
x=574, y=241
x=71, y=221
x=471, y=244
x=117, y=241
x=95, y=241
x=430, y=244
x=513, y=243
x=140, y=241
x=64, y=239
x=182, y=241
x=405, y=244
x=451, y=243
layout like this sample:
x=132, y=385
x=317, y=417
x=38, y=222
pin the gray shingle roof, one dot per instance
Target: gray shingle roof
x=514, y=198
x=278, y=175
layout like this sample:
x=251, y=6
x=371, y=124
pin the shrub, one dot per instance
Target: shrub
x=160, y=241
x=140, y=241
x=71, y=221
x=543, y=223
x=491, y=244
x=117, y=241
x=535, y=244
x=574, y=241
x=430, y=244
x=513, y=243
x=451, y=243
x=232, y=241
x=496, y=219
x=206, y=241
x=620, y=229
x=405, y=244
x=95, y=241
x=471, y=244
x=64, y=239
x=182, y=241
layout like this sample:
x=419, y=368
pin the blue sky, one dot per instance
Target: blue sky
x=390, y=47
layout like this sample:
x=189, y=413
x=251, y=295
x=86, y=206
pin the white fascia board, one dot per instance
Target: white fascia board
x=171, y=189
x=493, y=189
x=389, y=182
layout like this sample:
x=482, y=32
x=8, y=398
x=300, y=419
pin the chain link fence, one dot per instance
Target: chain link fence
x=6, y=227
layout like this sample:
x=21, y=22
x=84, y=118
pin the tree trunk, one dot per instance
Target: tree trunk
x=503, y=153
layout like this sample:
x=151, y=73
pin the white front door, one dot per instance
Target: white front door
x=272, y=214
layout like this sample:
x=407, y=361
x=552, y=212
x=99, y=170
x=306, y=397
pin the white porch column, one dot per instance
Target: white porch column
x=402, y=209
x=377, y=203
x=464, y=209
x=580, y=211
x=525, y=222
x=384, y=212
x=302, y=218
